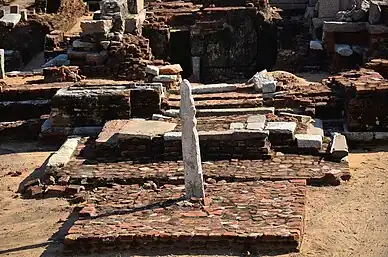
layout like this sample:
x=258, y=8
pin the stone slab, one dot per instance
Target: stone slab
x=96, y=26
x=153, y=70
x=214, y=88
x=165, y=78
x=224, y=112
x=240, y=134
x=339, y=147
x=60, y=158
x=281, y=127
x=10, y=20
x=257, y=119
x=115, y=130
x=309, y=141
x=255, y=126
x=359, y=136
x=236, y=125
x=237, y=217
x=315, y=128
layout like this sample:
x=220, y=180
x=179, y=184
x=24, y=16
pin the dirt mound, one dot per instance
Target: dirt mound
x=65, y=18
x=28, y=37
x=287, y=78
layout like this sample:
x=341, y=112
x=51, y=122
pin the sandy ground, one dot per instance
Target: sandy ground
x=348, y=220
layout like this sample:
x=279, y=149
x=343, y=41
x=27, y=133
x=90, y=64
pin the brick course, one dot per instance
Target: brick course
x=312, y=168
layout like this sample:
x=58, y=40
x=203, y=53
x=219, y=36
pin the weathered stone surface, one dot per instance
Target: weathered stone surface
x=257, y=119
x=116, y=130
x=190, y=145
x=281, y=133
x=96, y=26
x=161, y=117
x=80, y=44
x=172, y=69
x=308, y=141
x=2, y=64
x=263, y=82
x=222, y=112
x=165, y=78
x=315, y=128
x=214, y=88
x=255, y=125
x=281, y=127
x=10, y=20
x=381, y=135
x=359, y=136
x=63, y=155
x=228, y=206
x=153, y=70
x=237, y=125
x=339, y=148
x=225, y=112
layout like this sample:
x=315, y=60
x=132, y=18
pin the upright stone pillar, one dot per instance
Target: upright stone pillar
x=2, y=68
x=190, y=144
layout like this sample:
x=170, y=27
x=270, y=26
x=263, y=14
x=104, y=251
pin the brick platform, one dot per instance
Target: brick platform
x=312, y=168
x=251, y=216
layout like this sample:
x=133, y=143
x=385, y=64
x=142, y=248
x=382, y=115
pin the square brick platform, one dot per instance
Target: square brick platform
x=237, y=217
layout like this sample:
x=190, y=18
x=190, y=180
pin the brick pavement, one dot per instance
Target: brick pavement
x=316, y=170
x=236, y=217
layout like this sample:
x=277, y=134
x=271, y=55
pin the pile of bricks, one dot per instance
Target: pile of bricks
x=378, y=65
x=97, y=56
x=61, y=74
x=168, y=75
x=365, y=93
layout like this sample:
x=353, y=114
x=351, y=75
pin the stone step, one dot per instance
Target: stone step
x=225, y=103
x=23, y=110
x=224, y=112
x=149, y=221
x=92, y=173
x=31, y=91
x=22, y=129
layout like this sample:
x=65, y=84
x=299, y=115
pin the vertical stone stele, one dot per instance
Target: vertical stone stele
x=190, y=144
